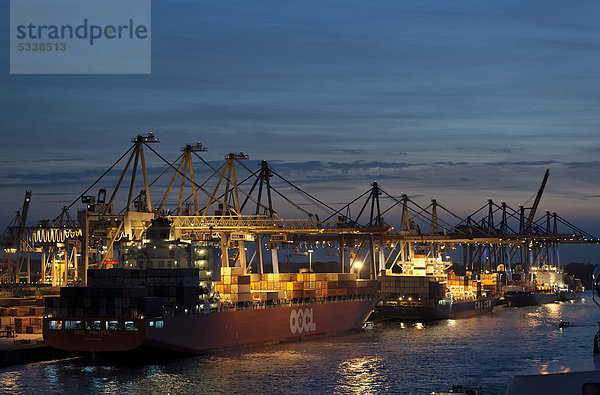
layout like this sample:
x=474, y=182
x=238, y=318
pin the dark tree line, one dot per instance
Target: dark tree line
x=582, y=271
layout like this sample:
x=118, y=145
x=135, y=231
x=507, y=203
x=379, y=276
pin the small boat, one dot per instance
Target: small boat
x=563, y=324
x=457, y=390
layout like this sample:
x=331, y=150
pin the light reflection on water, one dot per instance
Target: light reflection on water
x=366, y=375
x=552, y=311
x=11, y=382
x=51, y=374
x=482, y=353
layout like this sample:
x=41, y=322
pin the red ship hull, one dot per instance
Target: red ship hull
x=200, y=333
x=92, y=340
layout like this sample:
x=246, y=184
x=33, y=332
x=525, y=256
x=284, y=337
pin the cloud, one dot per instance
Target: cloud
x=44, y=160
x=583, y=165
x=309, y=172
x=522, y=163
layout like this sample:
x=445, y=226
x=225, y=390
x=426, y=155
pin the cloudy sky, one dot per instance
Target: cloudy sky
x=459, y=101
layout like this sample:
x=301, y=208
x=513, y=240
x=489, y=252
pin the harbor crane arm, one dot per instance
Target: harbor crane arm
x=536, y=202
x=14, y=232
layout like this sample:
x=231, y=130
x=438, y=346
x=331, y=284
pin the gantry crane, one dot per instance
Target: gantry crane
x=11, y=241
x=223, y=217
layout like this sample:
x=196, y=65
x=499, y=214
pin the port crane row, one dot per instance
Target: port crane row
x=239, y=213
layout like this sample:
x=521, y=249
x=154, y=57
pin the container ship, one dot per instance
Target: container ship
x=544, y=285
x=172, y=295
x=522, y=296
x=427, y=292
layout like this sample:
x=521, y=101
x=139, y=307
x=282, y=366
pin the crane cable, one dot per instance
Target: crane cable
x=95, y=182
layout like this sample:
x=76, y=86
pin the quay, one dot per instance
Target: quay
x=26, y=348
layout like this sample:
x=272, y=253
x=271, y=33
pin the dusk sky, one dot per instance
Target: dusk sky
x=459, y=101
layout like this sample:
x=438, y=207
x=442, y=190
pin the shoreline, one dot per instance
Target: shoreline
x=27, y=348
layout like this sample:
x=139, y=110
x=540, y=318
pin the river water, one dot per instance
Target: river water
x=480, y=353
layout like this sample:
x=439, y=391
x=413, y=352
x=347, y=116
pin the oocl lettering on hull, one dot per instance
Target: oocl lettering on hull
x=302, y=321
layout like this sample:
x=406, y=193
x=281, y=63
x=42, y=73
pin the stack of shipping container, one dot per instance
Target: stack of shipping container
x=22, y=315
x=410, y=288
x=462, y=287
x=127, y=293
x=490, y=283
x=235, y=286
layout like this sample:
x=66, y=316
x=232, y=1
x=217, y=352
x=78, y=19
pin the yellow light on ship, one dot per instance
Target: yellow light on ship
x=358, y=265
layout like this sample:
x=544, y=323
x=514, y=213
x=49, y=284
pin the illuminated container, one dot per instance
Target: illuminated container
x=294, y=286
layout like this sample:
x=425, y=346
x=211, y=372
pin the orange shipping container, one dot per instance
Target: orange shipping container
x=240, y=279
x=294, y=286
x=294, y=294
x=232, y=271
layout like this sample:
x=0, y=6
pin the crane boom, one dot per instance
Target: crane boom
x=536, y=202
x=24, y=212
x=14, y=232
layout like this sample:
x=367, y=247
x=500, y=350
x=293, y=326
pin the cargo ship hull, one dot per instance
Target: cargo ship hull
x=564, y=296
x=207, y=332
x=436, y=311
x=231, y=329
x=544, y=298
x=523, y=299
x=83, y=339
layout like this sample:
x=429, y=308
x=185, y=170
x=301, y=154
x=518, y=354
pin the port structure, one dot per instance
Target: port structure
x=234, y=228
x=102, y=227
x=187, y=174
x=58, y=242
x=241, y=210
x=502, y=236
x=11, y=242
